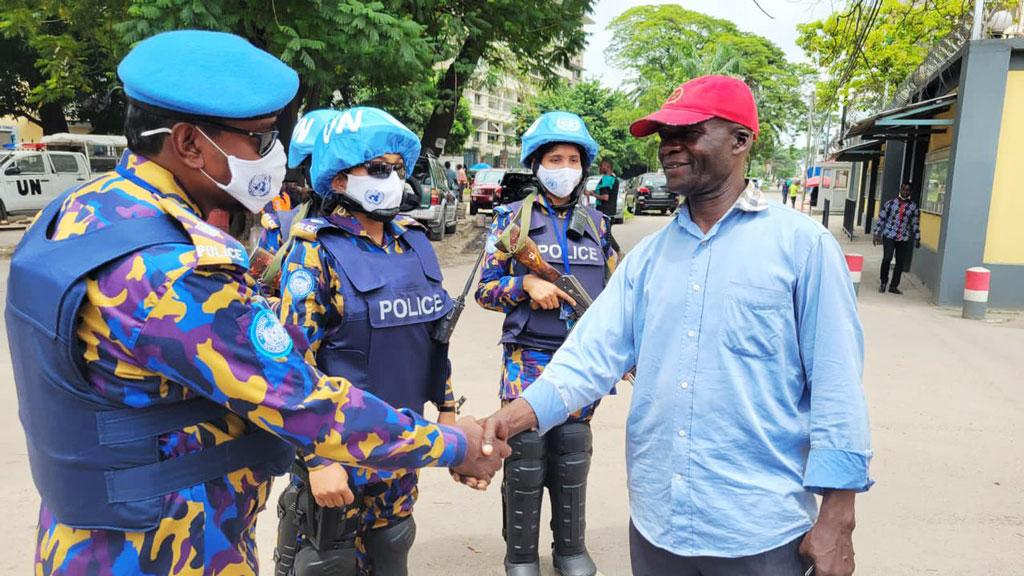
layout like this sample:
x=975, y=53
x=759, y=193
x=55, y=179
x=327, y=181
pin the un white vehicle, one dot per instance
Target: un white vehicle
x=31, y=177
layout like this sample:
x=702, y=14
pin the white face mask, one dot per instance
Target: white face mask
x=560, y=182
x=254, y=183
x=381, y=196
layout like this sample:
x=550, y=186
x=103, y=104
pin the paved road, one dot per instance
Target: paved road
x=946, y=408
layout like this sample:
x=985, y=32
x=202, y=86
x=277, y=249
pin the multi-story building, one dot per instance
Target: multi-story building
x=493, y=139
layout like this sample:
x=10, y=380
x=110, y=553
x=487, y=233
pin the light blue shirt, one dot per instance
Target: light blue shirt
x=748, y=395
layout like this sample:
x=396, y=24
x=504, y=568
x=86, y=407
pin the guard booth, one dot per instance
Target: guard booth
x=957, y=139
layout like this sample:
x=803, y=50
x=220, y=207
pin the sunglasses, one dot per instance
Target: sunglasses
x=264, y=140
x=379, y=169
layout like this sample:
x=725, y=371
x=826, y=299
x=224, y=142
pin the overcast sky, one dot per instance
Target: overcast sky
x=781, y=30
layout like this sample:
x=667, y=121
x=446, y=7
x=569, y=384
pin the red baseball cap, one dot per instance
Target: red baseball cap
x=701, y=99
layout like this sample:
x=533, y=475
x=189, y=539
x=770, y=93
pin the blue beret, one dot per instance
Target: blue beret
x=558, y=127
x=307, y=130
x=204, y=73
x=355, y=136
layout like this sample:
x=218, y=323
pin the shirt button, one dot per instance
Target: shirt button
x=691, y=334
x=684, y=385
x=696, y=287
x=682, y=433
x=679, y=477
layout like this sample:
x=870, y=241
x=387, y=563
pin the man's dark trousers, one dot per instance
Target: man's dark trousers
x=649, y=560
x=901, y=250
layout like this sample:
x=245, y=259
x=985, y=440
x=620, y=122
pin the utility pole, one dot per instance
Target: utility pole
x=979, y=19
x=808, y=154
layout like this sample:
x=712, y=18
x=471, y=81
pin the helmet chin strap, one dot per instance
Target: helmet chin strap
x=353, y=206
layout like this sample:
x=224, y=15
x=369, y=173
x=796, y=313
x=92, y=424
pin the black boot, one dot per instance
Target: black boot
x=569, y=451
x=522, y=490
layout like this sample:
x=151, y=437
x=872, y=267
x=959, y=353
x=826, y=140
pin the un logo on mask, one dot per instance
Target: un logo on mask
x=259, y=186
x=374, y=197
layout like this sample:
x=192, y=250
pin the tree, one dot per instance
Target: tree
x=345, y=51
x=867, y=53
x=535, y=36
x=666, y=45
x=606, y=112
x=59, y=60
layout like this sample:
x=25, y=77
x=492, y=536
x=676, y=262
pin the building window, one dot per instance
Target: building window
x=478, y=99
x=936, y=176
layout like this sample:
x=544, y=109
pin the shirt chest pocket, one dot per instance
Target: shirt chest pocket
x=754, y=320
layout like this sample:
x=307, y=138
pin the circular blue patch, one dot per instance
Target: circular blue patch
x=269, y=336
x=300, y=283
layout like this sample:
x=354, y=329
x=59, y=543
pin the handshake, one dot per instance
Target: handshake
x=487, y=443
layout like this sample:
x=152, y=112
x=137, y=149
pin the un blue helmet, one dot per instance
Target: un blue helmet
x=307, y=130
x=554, y=127
x=355, y=136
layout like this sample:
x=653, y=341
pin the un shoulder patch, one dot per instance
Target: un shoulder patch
x=269, y=336
x=300, y=283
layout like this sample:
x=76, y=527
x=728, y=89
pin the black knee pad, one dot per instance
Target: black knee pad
x=570, y=448
x=388, y=547
x=525, y=468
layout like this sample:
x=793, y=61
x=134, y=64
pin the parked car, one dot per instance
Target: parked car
x=516, y=184
x=652, y=194
x=439, y=204
x=31, y=177
x=486, y=185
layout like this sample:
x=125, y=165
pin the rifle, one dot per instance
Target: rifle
x=525, y=251
x=446, y=326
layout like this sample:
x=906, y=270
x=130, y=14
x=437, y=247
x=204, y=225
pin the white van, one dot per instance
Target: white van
x=31, y=177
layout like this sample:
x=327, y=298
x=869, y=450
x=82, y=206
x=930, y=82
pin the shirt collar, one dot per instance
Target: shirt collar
x=343, y=218
x=750, y=200
x=162, y=183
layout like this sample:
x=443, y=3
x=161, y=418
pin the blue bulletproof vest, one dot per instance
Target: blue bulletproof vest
x=545, y=329
x=96, y=463
x=392, y=301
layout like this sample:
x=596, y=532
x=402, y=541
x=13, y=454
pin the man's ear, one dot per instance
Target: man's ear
x=744, y=141
x=184, y=142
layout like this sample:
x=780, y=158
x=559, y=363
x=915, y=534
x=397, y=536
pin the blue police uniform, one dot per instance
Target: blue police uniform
x=158, y=392
x=368, y=312
x=561, y=459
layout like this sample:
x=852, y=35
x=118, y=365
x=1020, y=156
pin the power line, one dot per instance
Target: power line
x=758, y=4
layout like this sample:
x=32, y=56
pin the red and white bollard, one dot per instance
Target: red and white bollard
x=976, y=293
x=855, y=263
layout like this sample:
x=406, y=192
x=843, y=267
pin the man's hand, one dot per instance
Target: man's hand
x=330, y=486
x=917, y=244
x=875, y=240
x=545, y=294
x=829, y=544
x=479, y=466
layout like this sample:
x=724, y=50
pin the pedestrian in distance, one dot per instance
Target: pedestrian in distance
x=462, y=180
x=898, y=230
x=572, y=239
x=785, y=189
x=172, y=394
x=607, y=195
x=742, y=324
x=361, y=285
x=450, y=174
x=794, y=191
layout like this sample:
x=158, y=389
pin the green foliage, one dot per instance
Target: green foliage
x=666, y=45
x=606, y=112
x=59, y=58
x=894, y=45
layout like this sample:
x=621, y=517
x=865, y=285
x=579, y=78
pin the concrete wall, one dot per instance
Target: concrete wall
x=976, y=136
x=1004, y=240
